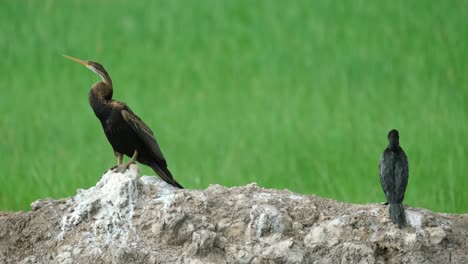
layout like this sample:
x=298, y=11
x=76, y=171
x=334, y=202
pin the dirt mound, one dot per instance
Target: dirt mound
x=130, y=219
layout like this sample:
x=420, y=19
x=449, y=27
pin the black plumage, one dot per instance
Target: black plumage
x=394, y=177
x=126, y=132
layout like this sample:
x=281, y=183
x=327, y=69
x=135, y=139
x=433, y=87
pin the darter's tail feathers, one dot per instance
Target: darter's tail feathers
x=166, y=175
x=397, y=214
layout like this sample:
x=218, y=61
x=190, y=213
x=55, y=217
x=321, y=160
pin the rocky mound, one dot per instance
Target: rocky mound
x=130, y=219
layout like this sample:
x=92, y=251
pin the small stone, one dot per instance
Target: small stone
x=436, y=235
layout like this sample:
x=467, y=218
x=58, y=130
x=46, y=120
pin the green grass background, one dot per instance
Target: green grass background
x=289, y=94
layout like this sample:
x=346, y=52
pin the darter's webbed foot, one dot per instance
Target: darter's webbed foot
x=111, y=169
x=121, y=168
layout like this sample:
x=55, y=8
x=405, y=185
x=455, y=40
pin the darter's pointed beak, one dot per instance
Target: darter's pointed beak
x=85, y=63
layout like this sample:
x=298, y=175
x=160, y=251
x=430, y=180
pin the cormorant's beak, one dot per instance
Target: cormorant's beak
x=85, y=63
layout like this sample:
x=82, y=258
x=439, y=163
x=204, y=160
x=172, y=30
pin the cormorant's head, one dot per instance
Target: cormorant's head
x=95, y=67
x=393, y=139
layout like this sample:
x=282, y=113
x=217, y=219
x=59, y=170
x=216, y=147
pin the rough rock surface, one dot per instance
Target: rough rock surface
x=128, y=219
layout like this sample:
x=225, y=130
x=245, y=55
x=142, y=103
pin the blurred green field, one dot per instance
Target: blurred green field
x=289, y=94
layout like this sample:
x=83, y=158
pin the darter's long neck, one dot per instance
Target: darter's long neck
x=100, y=97
x=106, y=78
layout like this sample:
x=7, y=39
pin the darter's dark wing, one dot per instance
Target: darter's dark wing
x=144, y=133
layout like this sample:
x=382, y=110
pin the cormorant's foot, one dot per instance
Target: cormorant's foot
x=120, y=168
x=384, y=203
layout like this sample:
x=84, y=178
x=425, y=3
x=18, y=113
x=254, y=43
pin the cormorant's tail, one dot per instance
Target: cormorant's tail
x=166, y=175
x=397, y=214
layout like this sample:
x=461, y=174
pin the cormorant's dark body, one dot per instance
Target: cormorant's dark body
x=125, y=131
x=394, y=177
